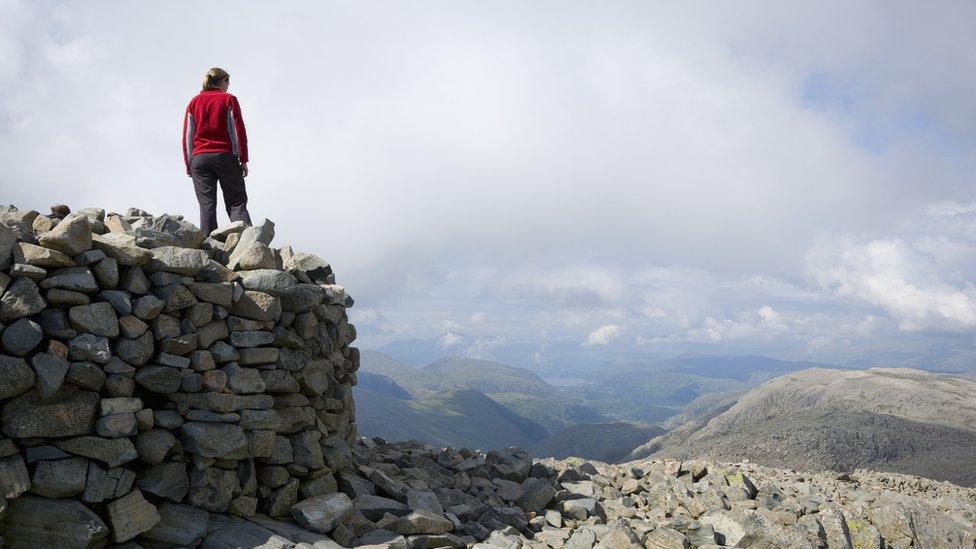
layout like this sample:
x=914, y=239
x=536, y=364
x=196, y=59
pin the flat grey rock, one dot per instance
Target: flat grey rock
x=322, y=513
x=269, y=281
x=120, y=300
x=130, y=516
x=241, y=533
x=257, y=306
x=31, y=522
x=106, y=483
x=167, y=480
x=89, y=347
x=39, y=256
x=116, y=425
x=22, y=337
x=16, y=376
x=49, y=373
x=71, y=412
x=71, y=236
x=251, y=338
x=243, y=381
x=147, y=307
x=22, y=298
x=159, y=379
x=95, y=318
x=178, y=526
x=60, y=478
x=214, y=440
x=14, y=480
x=154, y=444
x=182, y=261
x=85, y=375
x=110, y=451
x=79, y=279
x=55, y=324
x=263, y=232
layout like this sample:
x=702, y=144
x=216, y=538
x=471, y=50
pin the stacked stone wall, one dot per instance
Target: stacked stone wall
x=151, y=375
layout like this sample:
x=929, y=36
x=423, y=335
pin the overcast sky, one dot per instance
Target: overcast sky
x=642, y=178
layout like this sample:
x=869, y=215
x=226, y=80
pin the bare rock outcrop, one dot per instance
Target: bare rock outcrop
x=891, y=419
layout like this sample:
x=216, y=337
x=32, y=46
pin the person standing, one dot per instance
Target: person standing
x=215, y=149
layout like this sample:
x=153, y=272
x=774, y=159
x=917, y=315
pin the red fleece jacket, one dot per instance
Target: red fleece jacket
x=213, y=123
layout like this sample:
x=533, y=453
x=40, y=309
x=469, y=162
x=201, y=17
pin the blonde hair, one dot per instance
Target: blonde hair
x=213, y=78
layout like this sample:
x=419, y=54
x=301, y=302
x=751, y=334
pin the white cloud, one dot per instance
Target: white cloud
x=603, y=335
x=483, y=347
x=450, y=339
x=451, y=326
x=577, y=287
x=660, y=167
x=896, y=277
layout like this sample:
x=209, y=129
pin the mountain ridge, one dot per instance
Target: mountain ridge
x=882, y=418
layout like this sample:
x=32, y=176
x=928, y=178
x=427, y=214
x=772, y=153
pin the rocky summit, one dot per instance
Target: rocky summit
x=890, y=419
x=162, y=388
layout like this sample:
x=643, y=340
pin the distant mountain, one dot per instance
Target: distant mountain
x=520, y=390
x=486, y=376
x=560, y=355
x=609, y=443
x=455, y=373
x=413, y=380
x=650, y=396
x=900, y=420
x=462, y=418
x=381, y=385
x=553, y=412
x=642, y=392
x=381, y=363
x=748, y=368
x=417, y=352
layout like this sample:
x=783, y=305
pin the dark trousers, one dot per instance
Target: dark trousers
x=209, y=168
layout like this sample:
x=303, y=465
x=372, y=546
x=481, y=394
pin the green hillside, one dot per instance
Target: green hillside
x=455, y=373
x=381, y=385
x=650, y=396
x=554, y=412
x=459, y=418
x=486, y=376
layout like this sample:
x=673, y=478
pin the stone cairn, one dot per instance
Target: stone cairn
x=151, y=374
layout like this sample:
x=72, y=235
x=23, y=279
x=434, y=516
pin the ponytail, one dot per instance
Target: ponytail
x=213, y=78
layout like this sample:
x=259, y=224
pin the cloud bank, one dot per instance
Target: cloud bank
x=740, y=177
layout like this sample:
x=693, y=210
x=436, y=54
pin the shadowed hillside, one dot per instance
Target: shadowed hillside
x=609, y=442
x=459, y=418
x=551, y=411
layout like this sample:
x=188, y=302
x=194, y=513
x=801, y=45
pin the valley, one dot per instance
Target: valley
x=778, y=413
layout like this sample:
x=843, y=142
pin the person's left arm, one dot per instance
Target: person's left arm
x=240, y=132
x=189, y=129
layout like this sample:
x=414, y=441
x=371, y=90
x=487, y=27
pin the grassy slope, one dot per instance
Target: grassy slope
x=459, y=418
x=554, y=412
x=486, y=376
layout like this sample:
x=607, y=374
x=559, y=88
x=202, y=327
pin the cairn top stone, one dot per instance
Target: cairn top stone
x=263, y=232
x=71, y=236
